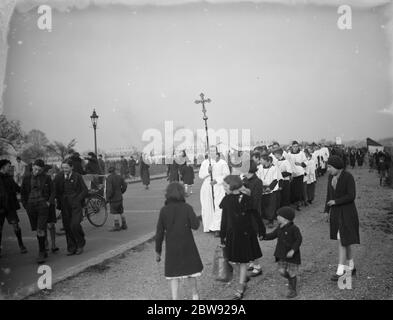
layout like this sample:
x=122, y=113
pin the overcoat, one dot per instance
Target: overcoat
x=187, y=174
x=237, y=230
x=343, y=215
x=175, y=224
x=79, y=187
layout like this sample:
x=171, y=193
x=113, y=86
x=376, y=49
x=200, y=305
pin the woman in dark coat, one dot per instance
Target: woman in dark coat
x=175, y=223
x=344, y=221
x=187, y=176
x=352, y=158
x=359, y=157
x=145, y=173
x=237, y=231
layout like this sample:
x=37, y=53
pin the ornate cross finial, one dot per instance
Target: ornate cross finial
x=203, y=101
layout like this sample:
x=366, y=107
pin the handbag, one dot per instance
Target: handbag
x=222, y=270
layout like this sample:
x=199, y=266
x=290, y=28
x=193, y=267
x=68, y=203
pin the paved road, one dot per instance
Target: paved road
x=141, y=209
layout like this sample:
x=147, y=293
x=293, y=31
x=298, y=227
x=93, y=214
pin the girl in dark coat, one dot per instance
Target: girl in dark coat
x=255, y=185
x=237, y=232
x=144, y=172
x=175, y=223
x=187, y=176
x=344, y=221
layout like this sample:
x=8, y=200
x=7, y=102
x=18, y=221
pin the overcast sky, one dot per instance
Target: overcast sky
x=285, y=72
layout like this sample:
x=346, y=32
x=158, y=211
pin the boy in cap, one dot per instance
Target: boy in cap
x=37, y=194
x=9, y=203
x=287, y=251
x=115, y=187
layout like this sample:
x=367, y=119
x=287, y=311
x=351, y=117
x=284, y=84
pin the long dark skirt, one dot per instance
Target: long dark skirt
x=305, y=196
x=311, y=191
x=269, y=206
x=297, y=189
x=285, y=198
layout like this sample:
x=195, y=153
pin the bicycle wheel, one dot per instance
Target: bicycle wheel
x=96, y=210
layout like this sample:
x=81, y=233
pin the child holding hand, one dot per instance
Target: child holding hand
x=287, y=251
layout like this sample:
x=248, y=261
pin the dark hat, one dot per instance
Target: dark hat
x=91, y=154
x=40, y=163
x=111, y=169
x=295, y=142
x=4, y=162
x=234, y=181
x=287, y=213
x=336, y=162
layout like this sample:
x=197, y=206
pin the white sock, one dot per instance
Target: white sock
x=340, y=269
x=351, y=264
x=257, y=266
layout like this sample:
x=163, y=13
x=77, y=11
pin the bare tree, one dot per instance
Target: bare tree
x=60, y=149
x=11, y=134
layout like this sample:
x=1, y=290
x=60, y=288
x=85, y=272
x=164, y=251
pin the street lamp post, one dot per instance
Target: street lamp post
x=94, y=120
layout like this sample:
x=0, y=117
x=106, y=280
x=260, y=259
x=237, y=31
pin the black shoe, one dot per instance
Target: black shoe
x=23, y=249
x=71, y=253
x=292, y=288
x=335, y=277
x=79, y=251
x=41, y=257
x=115, y=228
x=124, y=225
x=54, y=250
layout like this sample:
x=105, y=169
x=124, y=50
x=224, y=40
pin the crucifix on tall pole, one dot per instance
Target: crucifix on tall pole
x=205, y=118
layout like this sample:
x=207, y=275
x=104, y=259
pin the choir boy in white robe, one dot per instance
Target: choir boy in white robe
x=276, y=146
x=325, y=154
x=270, y=175
x=310, y=177
x=286, y=172
x=211, y=215
x=298, y=160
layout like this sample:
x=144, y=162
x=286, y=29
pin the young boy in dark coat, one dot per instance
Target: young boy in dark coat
x=9, y=203
x=115, y=187
x=287, y=251
x=176, y=221
x=37, y=195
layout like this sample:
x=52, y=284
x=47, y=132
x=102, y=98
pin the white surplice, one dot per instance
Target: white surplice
x=212, y=218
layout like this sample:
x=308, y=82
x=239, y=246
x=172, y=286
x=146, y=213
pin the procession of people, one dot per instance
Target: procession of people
x=240, y=209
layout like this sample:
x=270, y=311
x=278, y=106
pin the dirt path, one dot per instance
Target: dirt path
x=135, y=275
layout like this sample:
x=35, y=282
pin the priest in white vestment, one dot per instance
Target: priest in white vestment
x=211, y=217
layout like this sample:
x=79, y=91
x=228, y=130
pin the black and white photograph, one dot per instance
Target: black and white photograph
x=216, y=150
